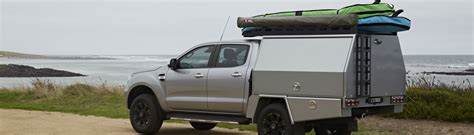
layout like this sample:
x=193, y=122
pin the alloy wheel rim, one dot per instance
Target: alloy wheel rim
x=141, y=114
x=273, y=124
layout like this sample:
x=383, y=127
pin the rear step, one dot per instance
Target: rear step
x=211, y=118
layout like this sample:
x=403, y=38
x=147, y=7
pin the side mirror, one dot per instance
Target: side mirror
x=173, y=64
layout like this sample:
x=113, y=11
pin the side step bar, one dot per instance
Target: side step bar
x=211, y=118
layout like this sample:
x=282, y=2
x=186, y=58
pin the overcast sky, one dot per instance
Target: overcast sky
x=152, y=27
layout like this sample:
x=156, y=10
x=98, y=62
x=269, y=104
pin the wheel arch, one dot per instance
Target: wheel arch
x=267, y=100
x=138, y=90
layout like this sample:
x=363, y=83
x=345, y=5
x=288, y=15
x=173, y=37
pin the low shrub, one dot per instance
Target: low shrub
x=431, y=100
x=99, y=100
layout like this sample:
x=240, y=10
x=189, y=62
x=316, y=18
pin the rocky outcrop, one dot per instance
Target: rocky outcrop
x=466, y=72
x=12, y=70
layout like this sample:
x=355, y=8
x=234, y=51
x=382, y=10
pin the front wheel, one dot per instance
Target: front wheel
x=203, y=126
x=145, y=114
x=275, y=120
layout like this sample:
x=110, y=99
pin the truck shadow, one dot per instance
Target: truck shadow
x=190, y=131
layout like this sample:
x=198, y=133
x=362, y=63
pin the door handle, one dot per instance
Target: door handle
x=199, y=75
x=161, y=77
x=236, y=74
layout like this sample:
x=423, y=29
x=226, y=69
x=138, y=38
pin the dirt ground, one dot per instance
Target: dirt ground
x=21, y=122
x=417, y=127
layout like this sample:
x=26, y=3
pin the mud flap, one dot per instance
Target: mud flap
x=352, y=125
x=298, y=128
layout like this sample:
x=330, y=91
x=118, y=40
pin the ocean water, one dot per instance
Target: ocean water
x=116, y=71
x=417, y=64
x=111, y=71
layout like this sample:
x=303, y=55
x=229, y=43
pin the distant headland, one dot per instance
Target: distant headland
x=15, y=55
x=12, y=70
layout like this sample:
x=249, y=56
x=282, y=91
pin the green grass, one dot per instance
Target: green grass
x=103, y=100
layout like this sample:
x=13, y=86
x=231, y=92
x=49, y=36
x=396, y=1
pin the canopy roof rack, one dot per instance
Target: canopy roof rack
x=298, y=31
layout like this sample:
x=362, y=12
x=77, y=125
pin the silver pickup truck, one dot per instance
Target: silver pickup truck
x=285, y=84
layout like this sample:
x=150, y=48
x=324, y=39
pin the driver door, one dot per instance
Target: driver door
x=186, y=87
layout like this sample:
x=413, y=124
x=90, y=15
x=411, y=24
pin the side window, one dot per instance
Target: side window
x=197, y=58
x=232, y=55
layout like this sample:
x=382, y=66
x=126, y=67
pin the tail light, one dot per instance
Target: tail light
x=397, y=99
x=352, y=102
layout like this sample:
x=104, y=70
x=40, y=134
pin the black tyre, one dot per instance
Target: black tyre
x=146, y=115
x=202, y=126
x=275, y=120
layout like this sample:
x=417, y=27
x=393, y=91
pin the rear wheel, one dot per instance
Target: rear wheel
x=275, y=120
x=202, y=126
x=146, y=115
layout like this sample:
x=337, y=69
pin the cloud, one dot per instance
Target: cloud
x=164, y=27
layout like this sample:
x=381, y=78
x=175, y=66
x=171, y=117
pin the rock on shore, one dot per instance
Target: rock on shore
x=12, y=70
x=450, y=73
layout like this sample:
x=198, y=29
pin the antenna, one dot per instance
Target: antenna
x=225, y=27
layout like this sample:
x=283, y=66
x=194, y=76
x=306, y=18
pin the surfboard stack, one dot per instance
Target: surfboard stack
x=371, y=18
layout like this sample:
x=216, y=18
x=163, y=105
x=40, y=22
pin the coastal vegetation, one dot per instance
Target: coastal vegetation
x=429, y=99
x=100, y=100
